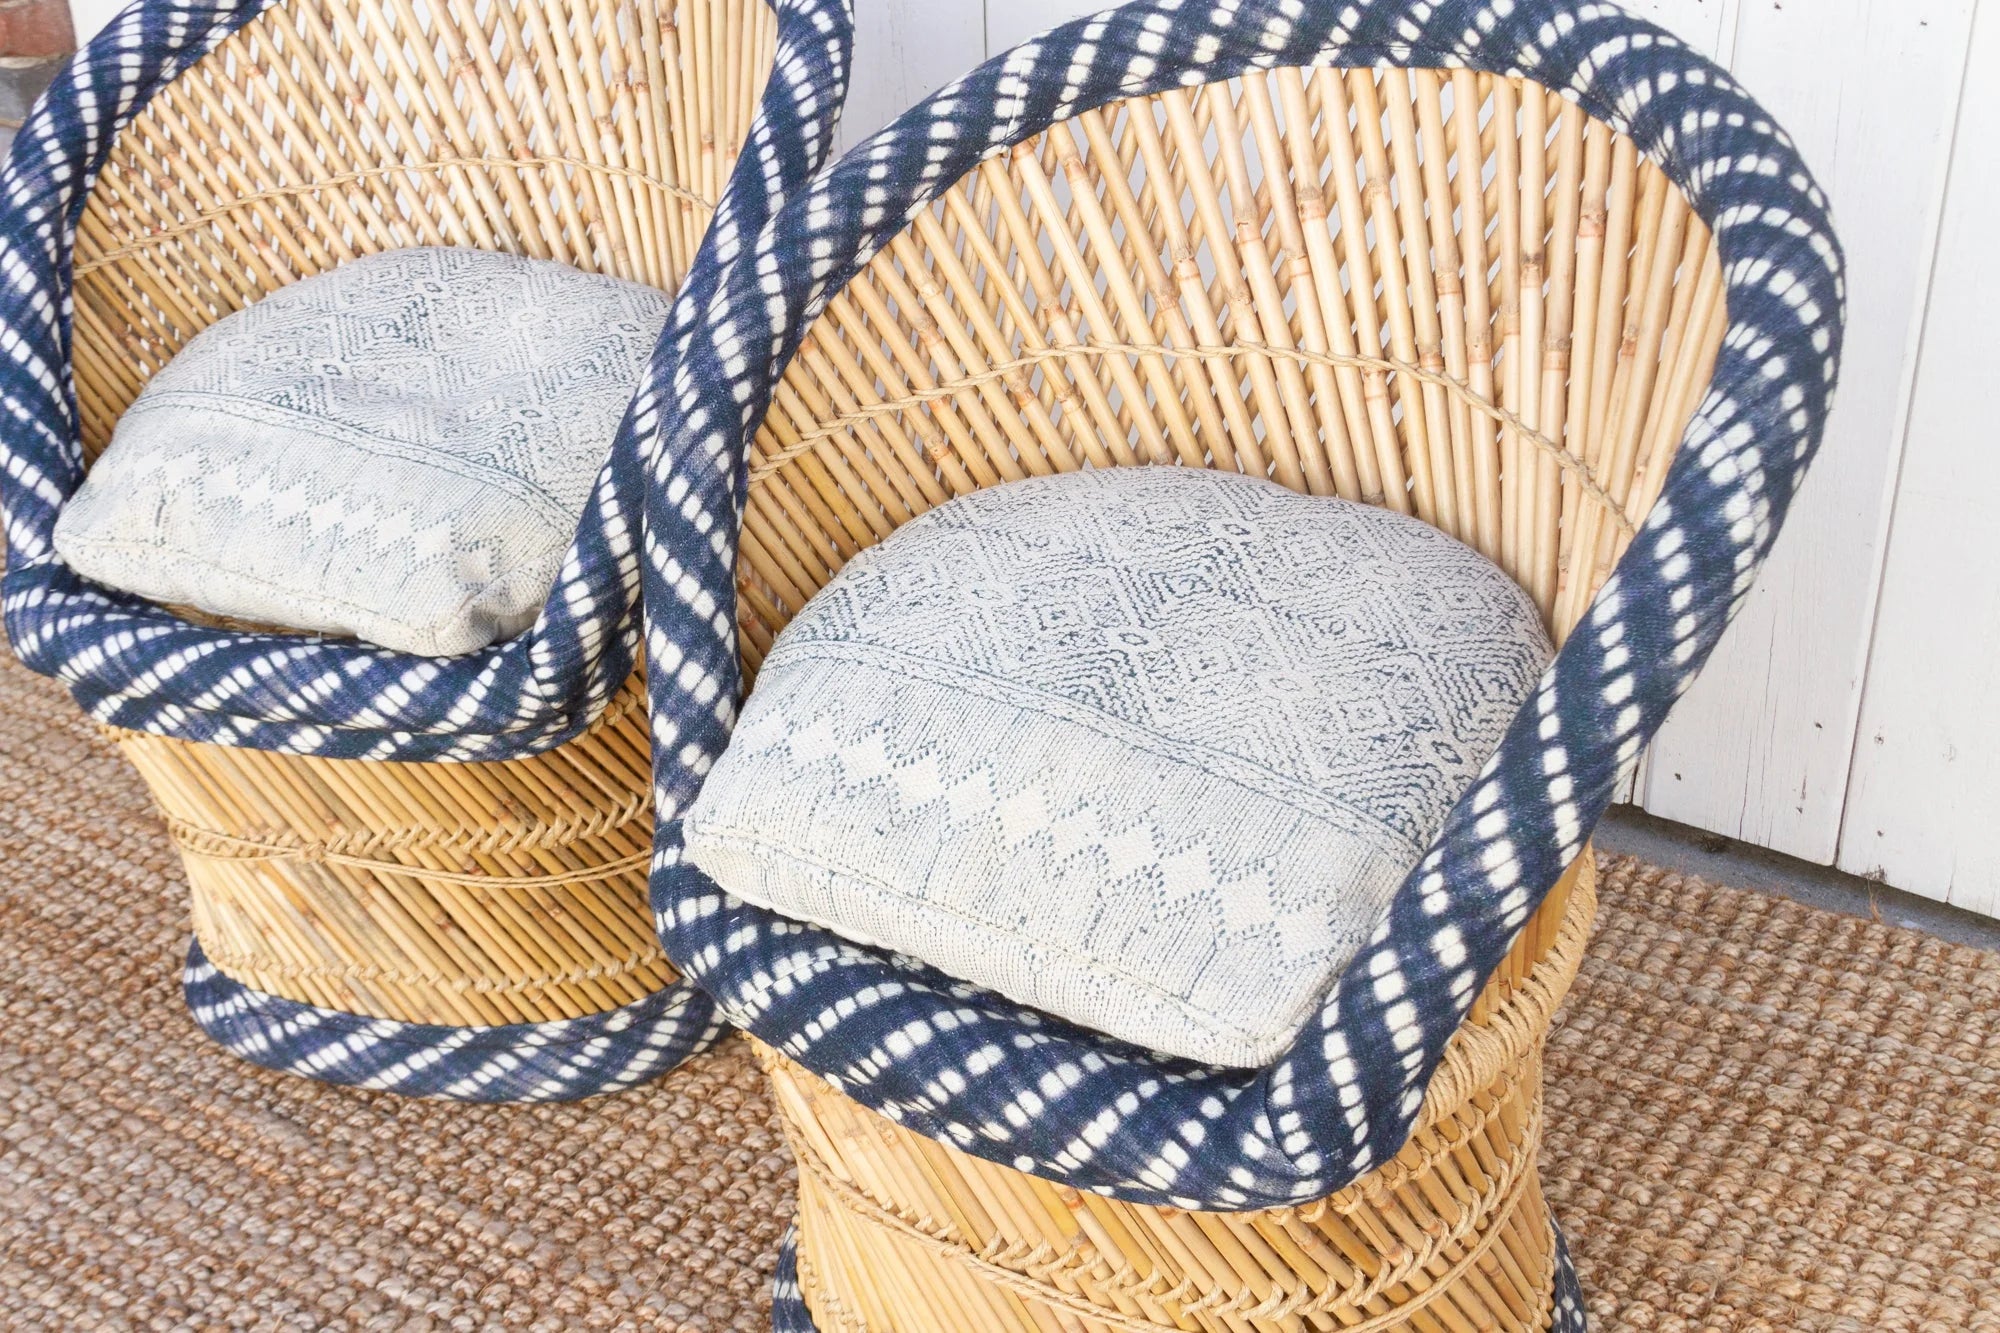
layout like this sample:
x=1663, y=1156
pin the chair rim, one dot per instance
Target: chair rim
x=961, y=1065
x=139, y=666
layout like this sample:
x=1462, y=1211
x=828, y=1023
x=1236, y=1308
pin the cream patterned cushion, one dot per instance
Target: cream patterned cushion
x=1146, y=748
x=398, y=449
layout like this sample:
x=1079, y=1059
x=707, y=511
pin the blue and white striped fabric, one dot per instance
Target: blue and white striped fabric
x=973, y=1071
x=523, y=1062
x=135, y=665
x=788, y=1303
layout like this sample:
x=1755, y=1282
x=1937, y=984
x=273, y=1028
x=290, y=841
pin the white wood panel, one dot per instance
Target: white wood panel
x=1923, y=804
x=903, y=51
x=1709, y=26
x=1759, y=749
x=88, y=17
x=1010, y=22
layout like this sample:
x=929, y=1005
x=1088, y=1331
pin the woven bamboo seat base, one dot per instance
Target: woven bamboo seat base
x=597, y=133
x=901, y=1234
x=462, y=894
x=790, y=1314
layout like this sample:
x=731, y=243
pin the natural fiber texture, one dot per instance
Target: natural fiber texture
x=1764, y=1117
x=897, y=1234
x=1473, y=453
x=1760, y=1119
x=474, y=931
x=474, y=894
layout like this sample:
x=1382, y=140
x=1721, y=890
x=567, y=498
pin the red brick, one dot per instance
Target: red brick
x=35, y=28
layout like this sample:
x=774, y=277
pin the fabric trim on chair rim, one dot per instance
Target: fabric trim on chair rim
x=521, y=1062
x=138, y=666
x=991, y=1078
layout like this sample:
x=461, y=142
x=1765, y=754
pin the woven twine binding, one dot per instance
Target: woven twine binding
x=400, y=920
x=1007, y=370
x=349, y=849
x=157, y=236
x=1034, y=1271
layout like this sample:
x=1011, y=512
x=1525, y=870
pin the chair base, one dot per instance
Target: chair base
x=900, y=1233
x=789, y=1314
x=497, y=893
x=565, y=1060
x=470, y=931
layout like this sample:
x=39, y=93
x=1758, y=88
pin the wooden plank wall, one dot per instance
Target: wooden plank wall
x=1923, y=798
x=1760, y=748
x=1853, y=713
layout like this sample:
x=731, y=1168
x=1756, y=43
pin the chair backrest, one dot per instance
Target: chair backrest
x=1454, y=294
x=595, y=132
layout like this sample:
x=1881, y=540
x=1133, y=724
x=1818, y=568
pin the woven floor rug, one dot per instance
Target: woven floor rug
x=1762, y=1117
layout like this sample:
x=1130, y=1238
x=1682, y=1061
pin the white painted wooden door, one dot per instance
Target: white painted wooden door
x=1923, y=800
x=1760, y=748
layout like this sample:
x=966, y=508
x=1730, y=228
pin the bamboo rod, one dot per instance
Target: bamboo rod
x=1451, y=1236
x=1444, y=292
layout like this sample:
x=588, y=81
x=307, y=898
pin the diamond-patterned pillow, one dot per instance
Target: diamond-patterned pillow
x=1147, y=748
x=399, y=449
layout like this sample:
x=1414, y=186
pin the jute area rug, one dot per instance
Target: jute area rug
x=1762, y=1117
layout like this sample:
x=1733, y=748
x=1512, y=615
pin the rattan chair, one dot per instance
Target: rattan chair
x=1532, y=271
x=426, y=875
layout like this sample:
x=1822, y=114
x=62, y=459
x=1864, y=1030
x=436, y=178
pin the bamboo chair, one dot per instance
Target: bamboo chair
x=1531, y=271
x=426, y=875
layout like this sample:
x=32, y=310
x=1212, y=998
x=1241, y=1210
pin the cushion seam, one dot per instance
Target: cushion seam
x=749, y=841
x=927, y=670
x=127, y=544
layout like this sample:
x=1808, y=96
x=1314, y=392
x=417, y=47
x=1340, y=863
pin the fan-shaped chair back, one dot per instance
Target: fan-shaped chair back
x=598, y=133
x=1452, y=294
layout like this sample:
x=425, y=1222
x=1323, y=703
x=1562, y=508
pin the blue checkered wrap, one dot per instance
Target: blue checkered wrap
x=974, y=1071
x=136, y=665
